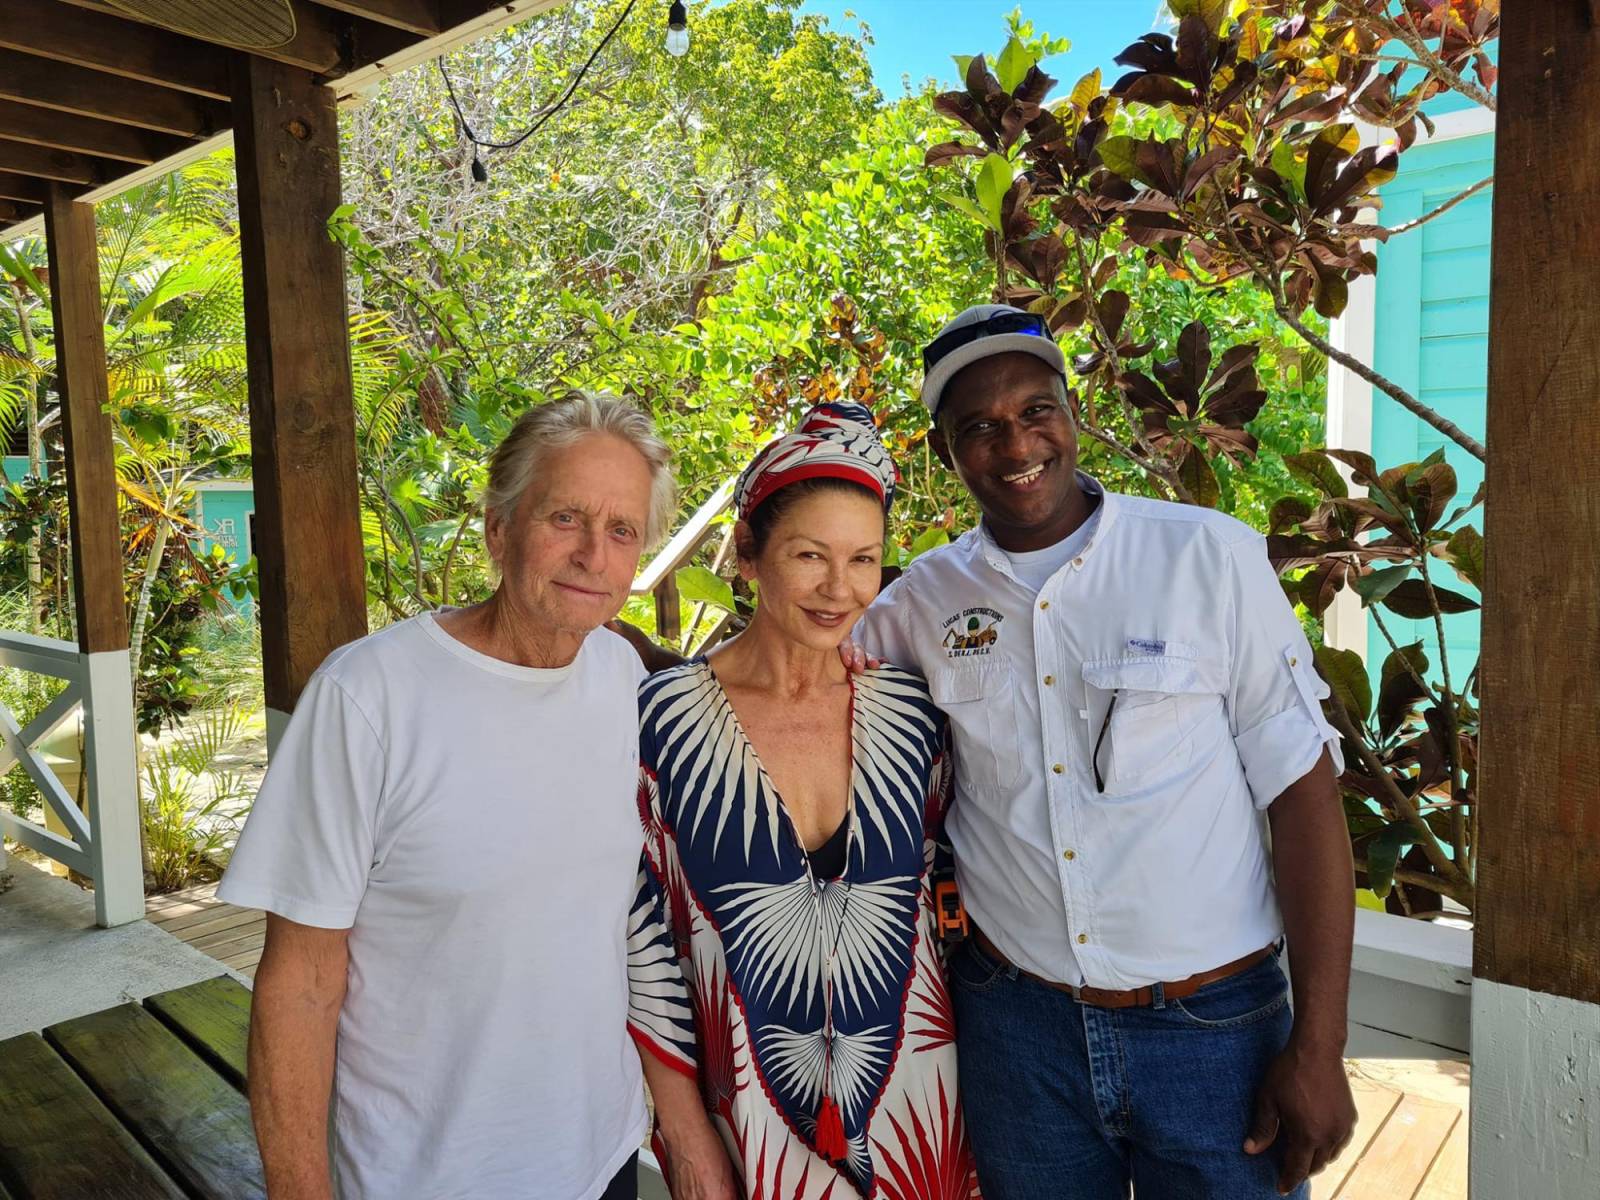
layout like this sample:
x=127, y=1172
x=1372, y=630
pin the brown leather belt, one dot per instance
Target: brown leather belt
x=1140, y=997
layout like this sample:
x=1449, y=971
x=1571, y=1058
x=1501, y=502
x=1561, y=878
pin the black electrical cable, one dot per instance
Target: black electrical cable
x=478, y=171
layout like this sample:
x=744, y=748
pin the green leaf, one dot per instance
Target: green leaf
x=994, y=180
x=1383, y=855
x=1318, y=470
x=962, y=61
x=1375, y=586
x=1117, y=153
x=929, y=539
x=1085, y=90
x=1465, y=548
x=13, y=266
x=1014, y=63
x=962, y=204
x=698, y=585
x=1289, y=168
x=1346, y=674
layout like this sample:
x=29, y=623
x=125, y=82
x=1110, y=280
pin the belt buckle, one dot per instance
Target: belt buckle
x=1077, y=992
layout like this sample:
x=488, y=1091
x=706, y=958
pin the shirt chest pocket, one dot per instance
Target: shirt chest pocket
x=1151, y=717
x=981, y=704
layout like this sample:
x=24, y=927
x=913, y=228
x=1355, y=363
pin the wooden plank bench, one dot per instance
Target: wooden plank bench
x=133, y=1103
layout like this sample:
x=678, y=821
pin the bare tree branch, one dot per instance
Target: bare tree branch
x=1408, y=226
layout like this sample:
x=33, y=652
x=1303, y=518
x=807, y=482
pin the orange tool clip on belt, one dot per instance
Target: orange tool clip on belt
x=951, y=913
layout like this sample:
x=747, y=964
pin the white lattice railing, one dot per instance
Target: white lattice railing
x=102, y=843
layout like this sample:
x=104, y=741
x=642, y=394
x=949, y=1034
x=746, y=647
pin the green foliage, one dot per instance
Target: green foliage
x=192, y=800
x=1411, y=759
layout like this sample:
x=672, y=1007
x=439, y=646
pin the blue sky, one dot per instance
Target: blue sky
x=917, y=37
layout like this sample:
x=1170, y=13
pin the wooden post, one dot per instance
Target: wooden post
x=1536, y=991
x=109, y=757
x=302, y=413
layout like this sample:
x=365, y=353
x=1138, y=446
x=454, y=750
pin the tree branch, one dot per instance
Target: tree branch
x=1414, y=42
x=1408, y=226
x=1397, y=798
x=1405, y=399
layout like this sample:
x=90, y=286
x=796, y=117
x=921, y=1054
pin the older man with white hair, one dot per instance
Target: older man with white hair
x=446, y=846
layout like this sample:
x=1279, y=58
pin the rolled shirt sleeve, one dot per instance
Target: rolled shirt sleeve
x=1274, y=693
x=307, y=847
x=882, y=629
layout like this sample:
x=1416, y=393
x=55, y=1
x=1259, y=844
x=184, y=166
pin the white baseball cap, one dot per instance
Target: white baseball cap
x=979, y=332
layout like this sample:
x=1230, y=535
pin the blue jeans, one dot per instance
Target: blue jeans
x=1066, y=1100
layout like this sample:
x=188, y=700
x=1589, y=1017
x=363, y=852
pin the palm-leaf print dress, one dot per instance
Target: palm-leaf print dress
x=813, y=1012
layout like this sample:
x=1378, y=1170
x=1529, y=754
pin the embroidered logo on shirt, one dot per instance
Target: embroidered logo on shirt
x=971, y=632
x=1147, y=646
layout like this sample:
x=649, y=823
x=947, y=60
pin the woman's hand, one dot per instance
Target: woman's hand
x=697, y=1166
x=695, y=1161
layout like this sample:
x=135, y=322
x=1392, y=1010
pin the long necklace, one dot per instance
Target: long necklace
x=831, y=1142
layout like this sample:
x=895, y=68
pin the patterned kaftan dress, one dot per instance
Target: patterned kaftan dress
x=734, y=949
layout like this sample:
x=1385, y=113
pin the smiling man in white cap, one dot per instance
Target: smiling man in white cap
x=1133, y=705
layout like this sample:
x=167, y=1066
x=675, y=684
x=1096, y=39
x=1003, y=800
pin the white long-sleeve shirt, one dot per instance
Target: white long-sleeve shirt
x=1163, y=871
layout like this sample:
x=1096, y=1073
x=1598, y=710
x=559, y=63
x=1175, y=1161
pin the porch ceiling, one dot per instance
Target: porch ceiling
x=95, y=100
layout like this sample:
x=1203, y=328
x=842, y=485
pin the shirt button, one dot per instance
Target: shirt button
x=1058, y=768
x=1294, y=662
x=1049, y=680
x=1077, y=562
x=1043, y=604
x=1083, y=939
x=1069, y=855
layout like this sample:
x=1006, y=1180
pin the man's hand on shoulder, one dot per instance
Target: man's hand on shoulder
x=1305, y=1108
x=856, y=659
x=655, y=658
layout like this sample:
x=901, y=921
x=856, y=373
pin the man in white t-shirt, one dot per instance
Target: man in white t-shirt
x=447, y=844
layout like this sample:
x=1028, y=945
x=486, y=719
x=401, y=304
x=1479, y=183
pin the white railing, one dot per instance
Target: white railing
x=102, y=844
x=659, y=578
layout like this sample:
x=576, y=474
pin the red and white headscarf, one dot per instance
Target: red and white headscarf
x=834, y=441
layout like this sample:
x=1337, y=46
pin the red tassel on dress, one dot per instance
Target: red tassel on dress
x=830, y=1132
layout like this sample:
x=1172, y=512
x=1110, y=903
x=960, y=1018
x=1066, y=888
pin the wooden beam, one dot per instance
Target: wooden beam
x=11, y=213
x=302, y=409
x=84, y=135
x=415, y=16
x=1538, y=912
x=63, y=87
x=86, y=427
x=53, y=164
x=326, y=44
x=23, y=187
x=113, y=45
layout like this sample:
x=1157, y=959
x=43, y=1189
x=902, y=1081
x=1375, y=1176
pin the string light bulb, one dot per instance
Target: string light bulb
x=677, y=29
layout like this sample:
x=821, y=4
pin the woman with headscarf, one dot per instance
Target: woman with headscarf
x=787, y=992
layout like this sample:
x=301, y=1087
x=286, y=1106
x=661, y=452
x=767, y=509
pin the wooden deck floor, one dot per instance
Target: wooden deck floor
x=1411, y=1143
x=231, y=935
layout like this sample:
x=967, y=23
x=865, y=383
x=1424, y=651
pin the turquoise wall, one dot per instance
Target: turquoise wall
x=225, y=515
x=1432, y=338
x=16, y=466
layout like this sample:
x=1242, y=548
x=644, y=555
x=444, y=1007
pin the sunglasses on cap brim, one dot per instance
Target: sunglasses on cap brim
x=1009, y=322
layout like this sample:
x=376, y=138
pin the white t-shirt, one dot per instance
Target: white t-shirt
x=474, y=824
x=1033, y=568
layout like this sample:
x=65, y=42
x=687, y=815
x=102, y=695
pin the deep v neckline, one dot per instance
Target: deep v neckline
x=849, y=822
